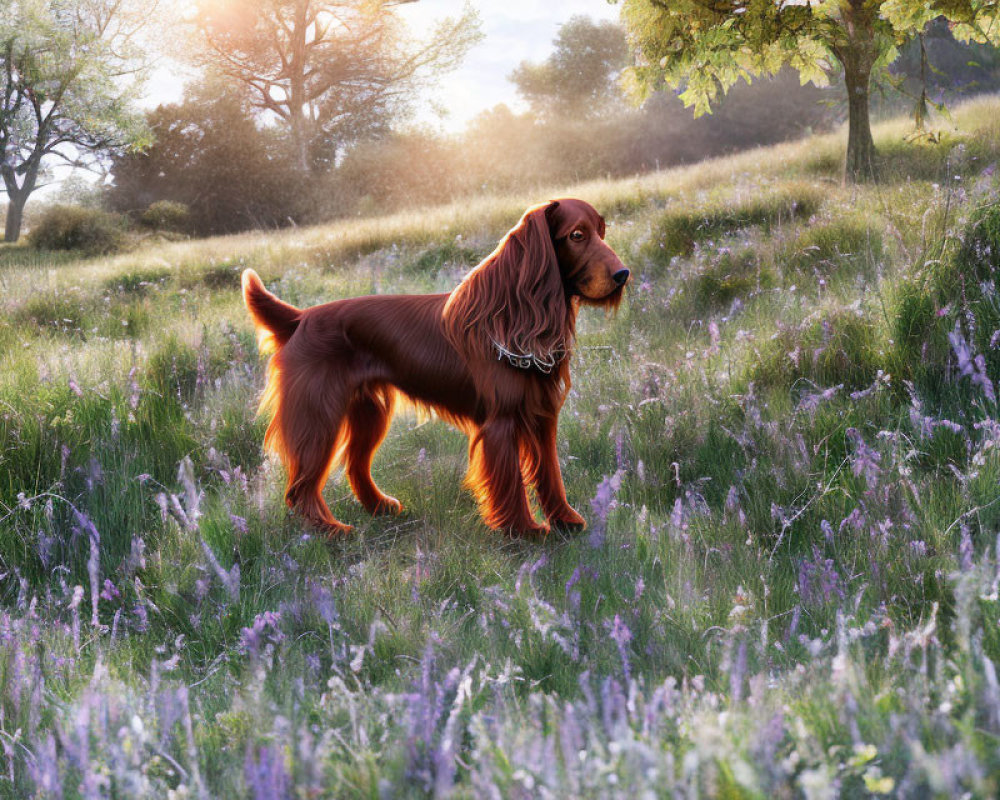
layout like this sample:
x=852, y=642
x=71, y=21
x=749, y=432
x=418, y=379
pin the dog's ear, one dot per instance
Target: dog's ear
x=514, y=301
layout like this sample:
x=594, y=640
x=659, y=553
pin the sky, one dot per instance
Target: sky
x=515, y=31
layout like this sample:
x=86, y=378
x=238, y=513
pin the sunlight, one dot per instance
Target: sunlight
x=709, y=504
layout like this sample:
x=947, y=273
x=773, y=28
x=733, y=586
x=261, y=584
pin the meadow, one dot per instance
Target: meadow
x=786, y=444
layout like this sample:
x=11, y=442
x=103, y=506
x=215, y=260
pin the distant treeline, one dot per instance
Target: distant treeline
x=234, y=174
x=212, y=154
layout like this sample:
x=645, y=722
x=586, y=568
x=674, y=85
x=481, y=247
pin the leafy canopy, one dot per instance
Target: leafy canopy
x=579, y=78
x=69, y=78
x=706, y=46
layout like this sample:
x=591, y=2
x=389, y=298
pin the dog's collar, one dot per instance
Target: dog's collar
x=543, y=364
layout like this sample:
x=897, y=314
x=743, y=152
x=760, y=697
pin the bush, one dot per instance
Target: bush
x=831, y=348
x=89, y=230
x=436, y=257
x=729, y=276
x=848, y=244
x=679, y=229
x=167, y=215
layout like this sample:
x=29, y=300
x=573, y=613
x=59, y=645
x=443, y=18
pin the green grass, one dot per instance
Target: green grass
x=805, y=482
x=679, y=229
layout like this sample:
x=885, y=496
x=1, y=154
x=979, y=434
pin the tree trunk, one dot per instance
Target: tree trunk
x=300, y=142
x=15, y=216
x=298, y=102
x=857, y=54
x=861, y=153
x=17, y=195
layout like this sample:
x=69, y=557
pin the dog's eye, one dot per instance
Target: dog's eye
x=576, y=236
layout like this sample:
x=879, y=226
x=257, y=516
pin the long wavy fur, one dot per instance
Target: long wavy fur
x=515, y=298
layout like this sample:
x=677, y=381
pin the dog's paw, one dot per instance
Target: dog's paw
x=527, y=530
x=387, y=506
x=333, y=530
x=568, y=521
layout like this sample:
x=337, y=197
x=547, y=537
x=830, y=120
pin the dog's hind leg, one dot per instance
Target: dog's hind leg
x=309, y=424
x=368, y=418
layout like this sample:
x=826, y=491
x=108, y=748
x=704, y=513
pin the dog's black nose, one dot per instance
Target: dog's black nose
x=620, y=277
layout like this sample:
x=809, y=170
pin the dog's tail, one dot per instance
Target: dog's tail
x=276, y=321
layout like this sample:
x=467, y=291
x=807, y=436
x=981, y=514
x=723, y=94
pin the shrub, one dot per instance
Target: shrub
x=57, y=311
x=729, y=276
x=437, y=256
x=679, y=229
x=89, y=230
x=167, y=215
x=848, y=243
x=831, y=348
x=137, y=281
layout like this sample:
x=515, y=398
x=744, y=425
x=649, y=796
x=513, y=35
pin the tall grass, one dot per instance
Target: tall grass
x=786, y=445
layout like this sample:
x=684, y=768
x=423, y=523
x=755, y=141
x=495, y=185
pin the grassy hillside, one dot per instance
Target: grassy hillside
x=786, y=444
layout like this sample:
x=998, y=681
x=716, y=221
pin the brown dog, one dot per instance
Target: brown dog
x=492, y=357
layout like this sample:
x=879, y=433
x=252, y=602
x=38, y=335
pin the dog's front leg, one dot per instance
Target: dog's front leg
x=496, y=480
x=547, y=477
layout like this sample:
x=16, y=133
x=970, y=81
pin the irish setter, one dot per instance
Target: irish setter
x=491, y=357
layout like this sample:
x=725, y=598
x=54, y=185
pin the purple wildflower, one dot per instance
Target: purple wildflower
x=322, y=600
x=601, y=504
x=434, y=711
x=85, y=525
x=918, y=548
x=818, y=581
x=141, y=617
x=133, y=399
x=621, y=635
x=573, y=595
x=970, y=364
x=43, y=767
x=266, y=628
x=881, y=379
x=865, y=460
x=265, y=774
x=965, y=549
x=45, y=546
x=137, y=556
x=110, y=591
x=231, y=579
x=734, y=507
x=810, y=402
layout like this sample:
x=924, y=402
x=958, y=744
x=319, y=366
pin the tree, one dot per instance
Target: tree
x=580, y=77
x=69, y=73
x=934, y=63
x=329, y=70
x=208, y=154
x=706, y=46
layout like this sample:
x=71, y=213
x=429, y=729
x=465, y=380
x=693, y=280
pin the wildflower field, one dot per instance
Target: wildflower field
x=786, y=443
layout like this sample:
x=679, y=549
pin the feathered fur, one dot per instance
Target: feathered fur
x=492, y=357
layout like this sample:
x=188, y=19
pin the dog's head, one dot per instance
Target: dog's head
x=520, y=301
x=590, y=269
